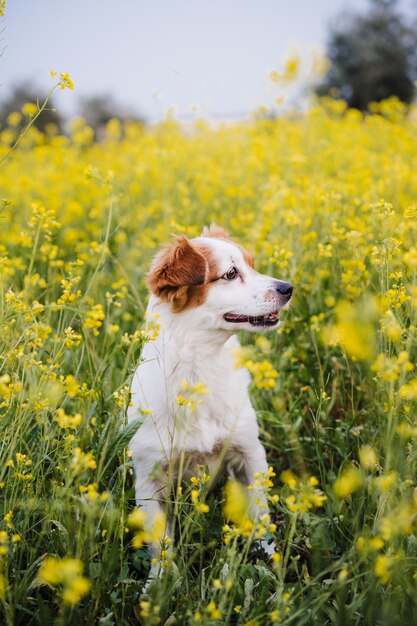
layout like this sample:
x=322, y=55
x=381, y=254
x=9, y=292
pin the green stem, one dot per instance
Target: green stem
x=31, y=123
x=287, y=553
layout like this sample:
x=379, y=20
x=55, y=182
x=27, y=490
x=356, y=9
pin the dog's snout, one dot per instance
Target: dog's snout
x=284, y=288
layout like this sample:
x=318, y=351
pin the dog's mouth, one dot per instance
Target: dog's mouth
x=270, y=319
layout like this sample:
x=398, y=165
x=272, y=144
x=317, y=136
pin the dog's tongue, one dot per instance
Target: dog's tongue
x=232, y=317
x=270, y=319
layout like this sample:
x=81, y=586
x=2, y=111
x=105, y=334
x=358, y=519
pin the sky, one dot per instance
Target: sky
x=150, y=55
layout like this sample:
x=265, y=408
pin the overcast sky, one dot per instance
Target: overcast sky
x=152, y=54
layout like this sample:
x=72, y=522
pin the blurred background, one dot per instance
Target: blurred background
x=217, y=59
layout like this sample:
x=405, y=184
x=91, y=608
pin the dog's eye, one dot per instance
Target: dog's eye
x=231, y=274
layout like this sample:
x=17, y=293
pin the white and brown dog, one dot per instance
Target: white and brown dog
x=204, y=290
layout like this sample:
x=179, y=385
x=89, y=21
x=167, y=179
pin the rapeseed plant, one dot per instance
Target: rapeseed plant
x=67, y=575
x=325, y=199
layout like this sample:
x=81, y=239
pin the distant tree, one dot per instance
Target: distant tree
x=98, y=110
x=372, y=56
x=24, y=94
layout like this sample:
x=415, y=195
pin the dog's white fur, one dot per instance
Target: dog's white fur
x=195, y=344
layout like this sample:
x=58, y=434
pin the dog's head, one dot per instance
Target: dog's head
x=215, y=275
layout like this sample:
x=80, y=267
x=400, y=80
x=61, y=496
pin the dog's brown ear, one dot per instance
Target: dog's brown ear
x=215, y=231
x=178, y=265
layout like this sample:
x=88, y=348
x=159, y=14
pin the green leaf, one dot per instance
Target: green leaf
x=120, y=440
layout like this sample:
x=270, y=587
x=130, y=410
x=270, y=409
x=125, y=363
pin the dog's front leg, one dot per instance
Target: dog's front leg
x=254, y=464
x=150, y=495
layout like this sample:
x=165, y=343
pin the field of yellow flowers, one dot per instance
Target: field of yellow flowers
x=325, y=199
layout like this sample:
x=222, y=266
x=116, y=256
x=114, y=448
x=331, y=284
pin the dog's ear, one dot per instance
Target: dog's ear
x=215, y=231
x=176, y=266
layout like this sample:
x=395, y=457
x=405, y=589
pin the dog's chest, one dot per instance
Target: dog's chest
x=194, y=403
x=201, y=431
x=211, y=418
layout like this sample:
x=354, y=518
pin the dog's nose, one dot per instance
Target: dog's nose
x=284, y=288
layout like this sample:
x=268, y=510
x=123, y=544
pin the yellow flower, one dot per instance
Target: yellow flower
x=65, y=81
x=71, y=386
x=368, y=457
x=304, y=494
x=376, y=543
x=53, y=570
x=146, y=533
x=214, y=611
x=94, y=318
x=236, y=506
x=410, y=212
x=289, y=478
x=202, y=507
x=391, y=327
x=67, y=421
x=14, y=119
x=410, y=258
x=353, y=329
x=75, y=590
x=382, y=568
x=92, y=493
x=343, y=574
x=66, y=573
x=30, y=109
x=350, y=480
x=4, y=537
x=292, y=65
x=72, y=339
x=192, y=395
x=276, y=560
x=406, y=431
x=386, y=481
x=274, y=76
x=82, y=461
x=145, y=608
x=409, y=391
x=263, y=373
x=122, y=397
x=399, y=521
x=136, y=519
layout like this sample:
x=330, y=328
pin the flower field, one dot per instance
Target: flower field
x=325, y=199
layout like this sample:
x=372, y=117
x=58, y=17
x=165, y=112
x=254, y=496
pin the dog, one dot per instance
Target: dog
x=204, y=291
